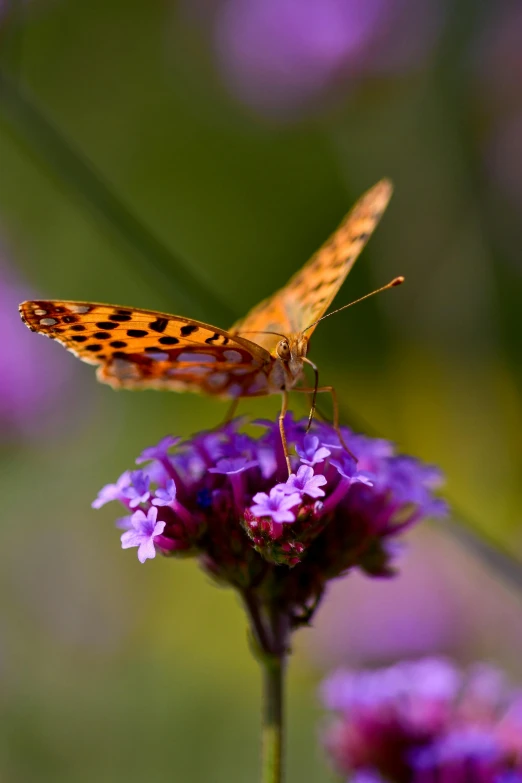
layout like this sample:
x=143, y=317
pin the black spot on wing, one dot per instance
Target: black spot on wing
x=120, y=318
x=188, y=329
x=105, y=325
x=159, y=325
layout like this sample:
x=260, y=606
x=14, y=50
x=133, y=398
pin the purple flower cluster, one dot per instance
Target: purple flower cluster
x=226, y=497
x=422, y=721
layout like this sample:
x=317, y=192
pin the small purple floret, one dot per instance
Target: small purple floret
x=160, y=451
x=277, y=505
x=347, y=467
x=231, y=466
x=124, y=523
x=138, y=491
x=145, y=528
x=305, y=482
x=165, y=497
x=112, y=491
x=311, y=452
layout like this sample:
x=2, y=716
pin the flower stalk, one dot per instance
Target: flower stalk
x=270, y=636
x=273, y=670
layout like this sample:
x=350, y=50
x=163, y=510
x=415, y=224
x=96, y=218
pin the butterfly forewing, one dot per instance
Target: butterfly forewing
x=309, y=293
x=146, y=349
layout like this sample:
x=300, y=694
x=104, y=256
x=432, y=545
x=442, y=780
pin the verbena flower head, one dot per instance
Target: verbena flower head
x=226, y=497
x=422, y=721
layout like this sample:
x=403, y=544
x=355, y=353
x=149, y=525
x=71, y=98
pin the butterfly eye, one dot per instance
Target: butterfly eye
x=283, y=350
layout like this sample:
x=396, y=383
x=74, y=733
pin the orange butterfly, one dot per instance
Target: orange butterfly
x=137, y=349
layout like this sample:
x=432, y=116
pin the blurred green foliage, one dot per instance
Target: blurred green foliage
x=112, y=671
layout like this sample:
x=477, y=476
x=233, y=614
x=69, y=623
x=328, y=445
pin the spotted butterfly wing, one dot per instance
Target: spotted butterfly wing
x=146, y=349
x=308, y=294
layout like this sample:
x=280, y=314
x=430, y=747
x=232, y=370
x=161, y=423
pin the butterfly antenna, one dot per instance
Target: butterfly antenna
x=396, y=281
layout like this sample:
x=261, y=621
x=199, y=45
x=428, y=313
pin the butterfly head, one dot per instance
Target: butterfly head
x=291, y=351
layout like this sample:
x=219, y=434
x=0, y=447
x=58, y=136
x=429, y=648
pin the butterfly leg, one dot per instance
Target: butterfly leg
x=335, y=402
x=284, y=408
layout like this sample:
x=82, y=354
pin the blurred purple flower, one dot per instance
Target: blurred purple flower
x=422, y=721
x=244, y=523
x=278, y=56
x=34, y=372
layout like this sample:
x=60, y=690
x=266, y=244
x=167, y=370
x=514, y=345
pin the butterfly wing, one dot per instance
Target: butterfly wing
x=146, y=349
x=309, y=293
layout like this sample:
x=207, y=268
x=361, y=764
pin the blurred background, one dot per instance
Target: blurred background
x=189, y=157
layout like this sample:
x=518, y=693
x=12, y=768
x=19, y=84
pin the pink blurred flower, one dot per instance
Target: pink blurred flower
x=279, y=56
x=497, y=76
x=421, y=612
x=424, y=720
x=498, y=59
x=504, y=157
x=33, y=371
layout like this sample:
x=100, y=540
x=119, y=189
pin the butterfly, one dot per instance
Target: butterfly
x=263, y=353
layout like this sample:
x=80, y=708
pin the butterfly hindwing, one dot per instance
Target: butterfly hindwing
x=146, y=349
x=309, y=293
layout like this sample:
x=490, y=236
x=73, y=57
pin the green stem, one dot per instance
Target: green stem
x=270, y=632
x=273, y=668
